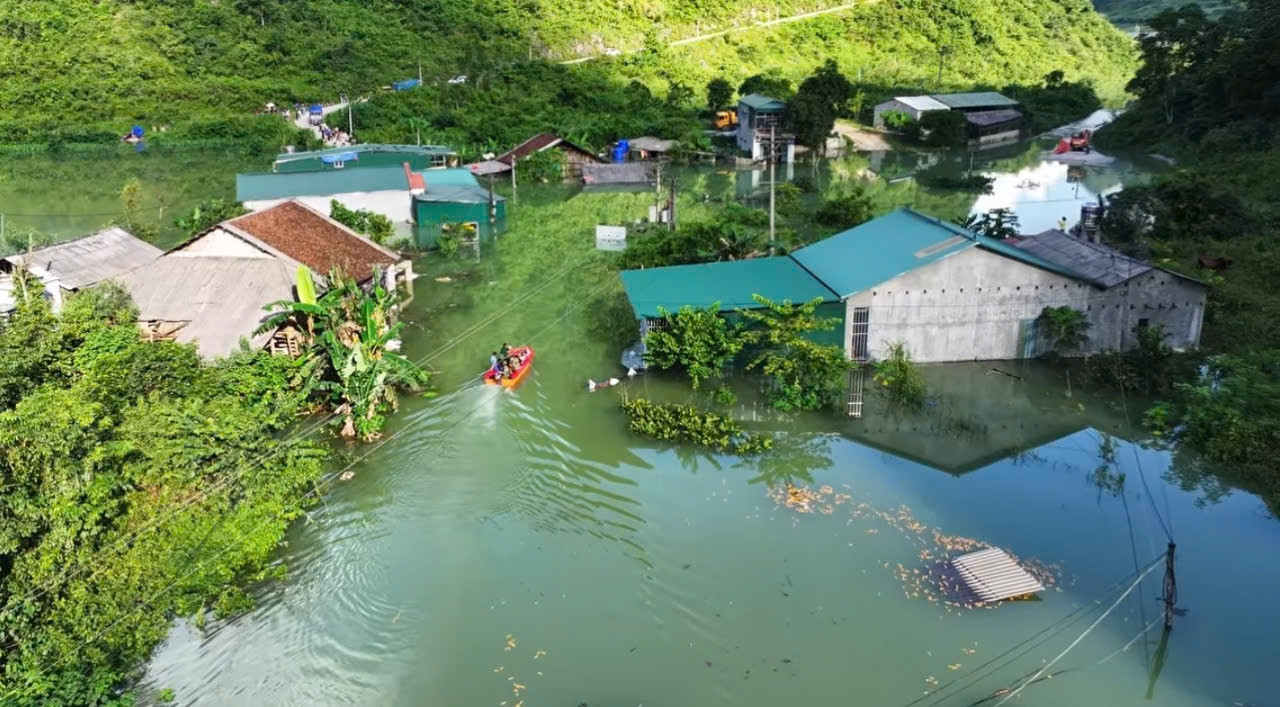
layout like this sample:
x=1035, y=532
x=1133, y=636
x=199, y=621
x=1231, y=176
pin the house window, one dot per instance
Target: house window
x=439, y=160
x=860, y=329
x=1143, y=323
x=339, y=164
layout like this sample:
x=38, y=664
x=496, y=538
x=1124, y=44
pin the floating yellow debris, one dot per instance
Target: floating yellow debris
x=539, y=654
x=511, y=642
x=953, y=666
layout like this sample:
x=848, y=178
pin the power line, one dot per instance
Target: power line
x=315, y=490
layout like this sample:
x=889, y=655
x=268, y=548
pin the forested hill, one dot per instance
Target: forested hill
x=77, y=63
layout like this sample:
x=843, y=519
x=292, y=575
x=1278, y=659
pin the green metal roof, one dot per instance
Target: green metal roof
x=394, y=149
x=757, y=102
x=284, y=185
x=455, y=176
x=731, y=283
x=979, y=99
x=893, y=244
x=457, y=194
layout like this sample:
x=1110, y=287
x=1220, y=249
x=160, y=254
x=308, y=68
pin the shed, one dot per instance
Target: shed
x=992, y=575
x=759, y=119
x=574, y=156
x=913, y=106
x=454, y=196
x=381, y=190
x=974, y=101
x=312, y=239
x=992, y=125
x=365, y=156
x=73, y=265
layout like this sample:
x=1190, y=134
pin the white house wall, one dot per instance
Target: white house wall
x=221, y=244
x=396, y=205
x=976, y=305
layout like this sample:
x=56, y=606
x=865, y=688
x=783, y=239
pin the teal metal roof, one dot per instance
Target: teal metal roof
x=731, y=283
x=285, y=185
x=455, y=176
x=757, y=102
x=393, y=149
x=457, y=194
x=893, y=244
x=979, y=99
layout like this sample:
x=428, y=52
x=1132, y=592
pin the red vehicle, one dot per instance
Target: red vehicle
x=1078, y=142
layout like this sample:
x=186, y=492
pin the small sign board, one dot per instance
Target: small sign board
x=611, y=238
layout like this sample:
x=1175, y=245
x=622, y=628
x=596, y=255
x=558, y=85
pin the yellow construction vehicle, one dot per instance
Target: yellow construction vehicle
x=726, y=119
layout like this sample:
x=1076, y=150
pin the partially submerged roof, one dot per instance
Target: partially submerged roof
x=453, y=176
x=921, y=102
x=458, y=194
x=619, y=173
x=101, y=256
x=263, y=186
x=648, y=143
x=900, y=241
x=984, y=118
x=729, y=283
x=758, y=102
x=977, y=99
x=540, y=142
x=1099, y=264
x=315, y=240
x=221, y=300
x=407, y=150
x=992, y=575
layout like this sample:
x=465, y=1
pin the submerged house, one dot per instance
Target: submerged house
x=213, y=289
x=453, y=196
x=365, y=156
x=67, y=267
x=574, y=156
x=946, y=293
x=990, y=116
x=620, y=174
x=761, y=119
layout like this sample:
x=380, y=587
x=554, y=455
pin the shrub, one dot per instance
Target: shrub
x=686, y=423
x=901, y=378
x=698, y=341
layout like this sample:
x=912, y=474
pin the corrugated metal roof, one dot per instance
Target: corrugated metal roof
x=456, y=176
x=1102, y=266
x=992, y=575
x=221, y=299
x=423, y=150
x=977, y=99
x=649, y=143
x=101, y=256
x=286, y=185
x=921, y=102
x=757, y=102
x=898, y=242
x=621, y=173
x=473, y=194
x=538, y=143
x=730, y=283
x=984, y=118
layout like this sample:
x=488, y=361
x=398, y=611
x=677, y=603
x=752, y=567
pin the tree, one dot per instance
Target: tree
x=679, y=94
x=800, y=374
x=846, y=211
x=997, y=224
x=207, y=214
x=1054, y=79
x=719, y=94
x=347, y=332
x=374, y=225
x=819, y=101
x=943, y=128
x=771, y=86
x=1065, y=328
x=901, y=378
x=699, y=341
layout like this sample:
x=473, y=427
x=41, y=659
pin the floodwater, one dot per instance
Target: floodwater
x=523, y=548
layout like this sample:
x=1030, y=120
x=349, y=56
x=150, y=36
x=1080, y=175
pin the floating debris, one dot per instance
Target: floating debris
x=539, y=654
x=511, y=642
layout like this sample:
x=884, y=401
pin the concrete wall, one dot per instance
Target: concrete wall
x=395, y=204
x=220, y=244
x=978, y=305
x=877, y=113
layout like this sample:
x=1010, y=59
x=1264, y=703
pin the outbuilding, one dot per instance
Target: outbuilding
x=761, y=123
x=574, y=156
x=68, y=267
x=913, y=106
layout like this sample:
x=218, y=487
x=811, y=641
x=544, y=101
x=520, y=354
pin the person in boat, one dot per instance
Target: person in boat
x=493, y=363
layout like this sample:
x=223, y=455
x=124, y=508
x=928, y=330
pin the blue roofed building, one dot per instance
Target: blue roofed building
x=946, y=293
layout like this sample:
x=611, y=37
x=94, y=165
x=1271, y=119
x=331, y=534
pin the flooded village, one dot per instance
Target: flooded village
x=950, y=505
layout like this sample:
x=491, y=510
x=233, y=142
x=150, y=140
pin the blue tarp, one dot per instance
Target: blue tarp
x=405, y=84
x=620, y=151
x=137, y=131
x=340, y=157
x=317, y=108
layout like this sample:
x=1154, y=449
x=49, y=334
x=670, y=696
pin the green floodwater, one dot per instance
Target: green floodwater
x=506, y=546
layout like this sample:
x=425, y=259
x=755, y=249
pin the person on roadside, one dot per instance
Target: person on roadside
x=1062, y=224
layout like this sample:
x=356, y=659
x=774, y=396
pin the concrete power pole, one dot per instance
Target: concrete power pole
x=772, y=156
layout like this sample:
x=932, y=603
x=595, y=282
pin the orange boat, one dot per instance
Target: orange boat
x=514, y=380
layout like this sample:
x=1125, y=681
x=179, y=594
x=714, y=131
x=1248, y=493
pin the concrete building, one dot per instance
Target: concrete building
x=67, y=267
x=760, y=119
x=948, y=294
x=213, y=290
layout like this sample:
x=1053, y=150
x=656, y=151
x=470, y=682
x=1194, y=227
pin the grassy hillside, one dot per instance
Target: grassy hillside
x=82, y=69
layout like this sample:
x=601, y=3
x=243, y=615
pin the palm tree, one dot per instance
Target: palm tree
x=348, y=332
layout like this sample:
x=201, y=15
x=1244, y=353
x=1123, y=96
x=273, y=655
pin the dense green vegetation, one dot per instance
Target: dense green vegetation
x=900, y=378
x=1206, y=94
x=685, y=423
x=136, y=483
x=84, y=71
x=699, y=342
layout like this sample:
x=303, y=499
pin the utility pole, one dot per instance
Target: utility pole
x=419, y=71
x=773, y=146
x=942, y=53
x=513, y=178
x=1170, y=587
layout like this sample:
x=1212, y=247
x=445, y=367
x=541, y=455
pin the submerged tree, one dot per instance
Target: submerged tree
x=700, y=341
x=207, y=214
x=901, y=378
x=349, y=332
x=372, y=224
x=996, y=223
x=801, y=374
x=1066, y=328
